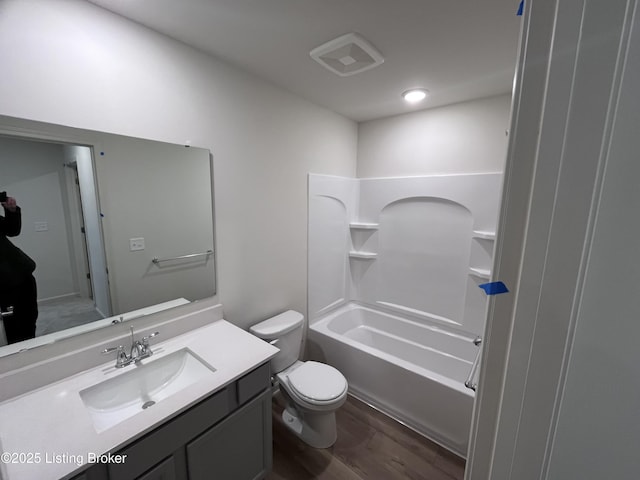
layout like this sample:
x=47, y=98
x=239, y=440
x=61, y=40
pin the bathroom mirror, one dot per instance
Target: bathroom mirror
x=118, y=226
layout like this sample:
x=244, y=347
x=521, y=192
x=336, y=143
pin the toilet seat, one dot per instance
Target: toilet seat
x=316, y=385
x=317, y=382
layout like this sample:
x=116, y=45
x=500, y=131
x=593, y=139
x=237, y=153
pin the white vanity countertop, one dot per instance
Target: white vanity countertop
x=52, y=428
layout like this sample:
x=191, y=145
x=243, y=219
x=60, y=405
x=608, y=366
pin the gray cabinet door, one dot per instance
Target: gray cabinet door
x=97, y=472
x=165, y=470
x=172, y=436
x=237, y=448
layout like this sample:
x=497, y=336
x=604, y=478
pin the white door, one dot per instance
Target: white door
x=558, y=397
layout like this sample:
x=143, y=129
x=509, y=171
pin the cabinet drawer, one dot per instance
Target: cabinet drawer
x=254, y=383
x=161, y=443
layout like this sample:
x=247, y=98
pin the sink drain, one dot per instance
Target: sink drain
x=148, y=404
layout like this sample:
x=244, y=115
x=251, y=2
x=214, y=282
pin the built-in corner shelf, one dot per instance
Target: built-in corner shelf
x=480, y=273
x=484, y=235
x=363, y=255
x=358, y=237
x=364, y=226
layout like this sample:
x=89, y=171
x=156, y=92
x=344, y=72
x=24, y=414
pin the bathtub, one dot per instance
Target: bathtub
x=411, y=371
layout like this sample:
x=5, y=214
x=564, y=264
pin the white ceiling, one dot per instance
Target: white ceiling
x=456, y=49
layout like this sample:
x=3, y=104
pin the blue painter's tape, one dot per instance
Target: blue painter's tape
x=494, y=288
x=520, y=8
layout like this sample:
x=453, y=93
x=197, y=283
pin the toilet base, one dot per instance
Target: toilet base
x=315, y=429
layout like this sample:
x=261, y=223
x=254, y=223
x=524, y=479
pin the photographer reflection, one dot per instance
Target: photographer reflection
x=17, y=283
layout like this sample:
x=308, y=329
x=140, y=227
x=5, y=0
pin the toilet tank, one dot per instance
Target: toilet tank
x=285, y=332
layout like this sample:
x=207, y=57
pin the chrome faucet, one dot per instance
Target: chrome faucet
x=140, y=349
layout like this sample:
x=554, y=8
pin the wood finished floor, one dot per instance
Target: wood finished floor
x=370, y=446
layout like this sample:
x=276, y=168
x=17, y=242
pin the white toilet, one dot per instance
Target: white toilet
x=313, y=391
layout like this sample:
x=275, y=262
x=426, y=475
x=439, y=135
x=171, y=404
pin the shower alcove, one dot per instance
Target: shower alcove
x=394, y=303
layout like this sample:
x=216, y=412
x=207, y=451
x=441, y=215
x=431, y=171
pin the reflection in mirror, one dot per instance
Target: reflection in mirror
x=94, y=217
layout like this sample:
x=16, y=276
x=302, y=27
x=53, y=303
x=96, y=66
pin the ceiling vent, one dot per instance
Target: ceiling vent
x=347, y=55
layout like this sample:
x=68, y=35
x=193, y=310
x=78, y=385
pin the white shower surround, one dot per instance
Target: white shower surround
x=418, y=245
x=394, y=269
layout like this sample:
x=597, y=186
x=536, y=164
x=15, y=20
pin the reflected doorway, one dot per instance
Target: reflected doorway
x=54, y=185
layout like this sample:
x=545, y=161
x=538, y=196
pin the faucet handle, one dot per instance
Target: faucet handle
x=143, y=346
x=122, y=359
x=146, y=339
x=109, y=350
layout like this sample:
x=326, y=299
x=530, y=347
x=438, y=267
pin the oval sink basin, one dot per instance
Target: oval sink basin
x=141, y=386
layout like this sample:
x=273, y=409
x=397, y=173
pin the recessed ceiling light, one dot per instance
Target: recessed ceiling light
x=415, y=95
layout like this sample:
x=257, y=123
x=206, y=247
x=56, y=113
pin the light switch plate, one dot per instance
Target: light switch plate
x=136, y=244
x=41, y=226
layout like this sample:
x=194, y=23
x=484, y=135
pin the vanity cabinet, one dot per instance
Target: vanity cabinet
x=225, y=436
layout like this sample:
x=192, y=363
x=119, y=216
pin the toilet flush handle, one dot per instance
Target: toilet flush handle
x=274, y=342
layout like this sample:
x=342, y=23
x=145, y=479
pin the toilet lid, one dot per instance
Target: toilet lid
x=317, y=381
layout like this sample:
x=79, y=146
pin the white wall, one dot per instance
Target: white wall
x=32, y=172
x=466, y=137
x=72, y=63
